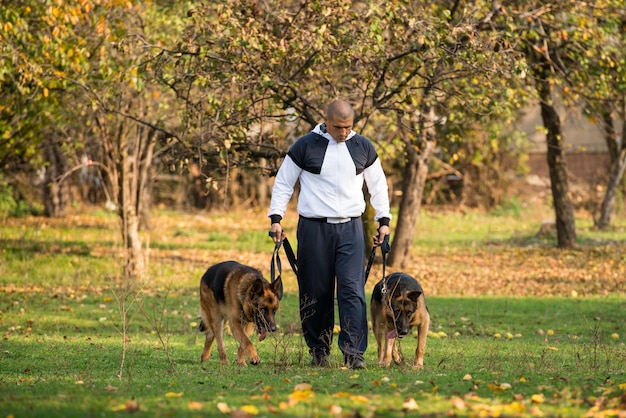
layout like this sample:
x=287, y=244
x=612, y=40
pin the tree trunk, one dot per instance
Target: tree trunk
x=608, y=204
x=565, y=221
x=414, y=181
x=145, y=152
x=618, y=166
x=128, y=169
x=56, y=194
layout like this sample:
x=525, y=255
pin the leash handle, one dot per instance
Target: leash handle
x=384, y=249
x=275, y=264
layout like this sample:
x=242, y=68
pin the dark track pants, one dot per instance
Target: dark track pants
x=329, y=252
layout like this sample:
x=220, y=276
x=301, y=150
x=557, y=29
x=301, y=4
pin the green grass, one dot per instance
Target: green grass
x=62, y=307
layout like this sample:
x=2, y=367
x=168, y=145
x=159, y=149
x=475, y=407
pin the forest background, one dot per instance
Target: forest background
x=125, y=99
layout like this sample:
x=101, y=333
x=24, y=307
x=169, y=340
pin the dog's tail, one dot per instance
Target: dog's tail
x=202, y=326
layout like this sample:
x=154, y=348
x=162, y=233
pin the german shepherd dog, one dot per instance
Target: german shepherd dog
x=233, y=292
x=401, y=307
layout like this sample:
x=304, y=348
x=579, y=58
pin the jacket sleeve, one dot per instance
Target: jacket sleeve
x=377, y=187
x=284, y=184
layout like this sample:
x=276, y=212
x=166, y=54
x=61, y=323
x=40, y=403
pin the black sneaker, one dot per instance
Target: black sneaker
x=353, y=362
x=319, y=361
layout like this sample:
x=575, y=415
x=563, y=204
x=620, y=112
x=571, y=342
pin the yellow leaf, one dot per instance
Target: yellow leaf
x=302, y=387
x=250, y=409
x=301, y=395
x=119, y=407
x=174, y=394
x=341, y=395
x=537, y=398
x=359, y=398
x=45, y=92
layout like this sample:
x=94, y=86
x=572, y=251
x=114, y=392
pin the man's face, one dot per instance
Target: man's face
x=339, y=128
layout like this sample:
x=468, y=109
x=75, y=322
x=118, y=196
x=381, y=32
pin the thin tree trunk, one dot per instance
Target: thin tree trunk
x=618, y=166
x=608, y=203
x=56, y=195
x=414, y=181
x=145, y=153
x=129, y=185
x=565, y=221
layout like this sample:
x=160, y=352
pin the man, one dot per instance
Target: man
x=331, y=163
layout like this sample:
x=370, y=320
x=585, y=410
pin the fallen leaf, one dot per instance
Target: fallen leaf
x=458, y=403
x=174, y=394
x=250, y=409
x=132, y=406
x=335, y=410
x=223, y=407
x=359, y=398
x=409, y=405
x=537, y=398
x=302, y=387
x=195, y=406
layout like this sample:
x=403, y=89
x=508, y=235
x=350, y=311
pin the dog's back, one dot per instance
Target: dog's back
x=216, y=276
x=237, y=293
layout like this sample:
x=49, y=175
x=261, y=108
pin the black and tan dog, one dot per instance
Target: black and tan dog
x=394, y=312
x=233, y=292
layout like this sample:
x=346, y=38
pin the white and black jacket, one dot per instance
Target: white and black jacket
x=331, y=178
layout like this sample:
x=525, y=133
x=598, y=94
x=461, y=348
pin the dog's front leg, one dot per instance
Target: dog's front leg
x=246, y=349
x=389, y=351
x=422, y=333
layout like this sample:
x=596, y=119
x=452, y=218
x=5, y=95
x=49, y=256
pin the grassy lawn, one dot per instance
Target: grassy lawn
x=519, y=328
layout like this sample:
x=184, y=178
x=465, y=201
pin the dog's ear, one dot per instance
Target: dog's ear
x=256, y=288
x=414, y=295
x=277, y=287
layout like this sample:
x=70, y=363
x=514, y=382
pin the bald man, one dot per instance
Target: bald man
x=331, y=163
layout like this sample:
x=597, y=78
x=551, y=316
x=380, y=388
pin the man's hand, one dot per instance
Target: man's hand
x=383, y=231
x=276, y=232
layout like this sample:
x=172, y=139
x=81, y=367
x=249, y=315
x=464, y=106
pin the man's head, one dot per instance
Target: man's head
x=339, y=120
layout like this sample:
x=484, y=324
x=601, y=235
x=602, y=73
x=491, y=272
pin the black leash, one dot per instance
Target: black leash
x=276, y=264
x=384, y=249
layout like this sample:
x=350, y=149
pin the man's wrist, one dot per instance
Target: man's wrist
x=275, y=219
x=384, y=221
